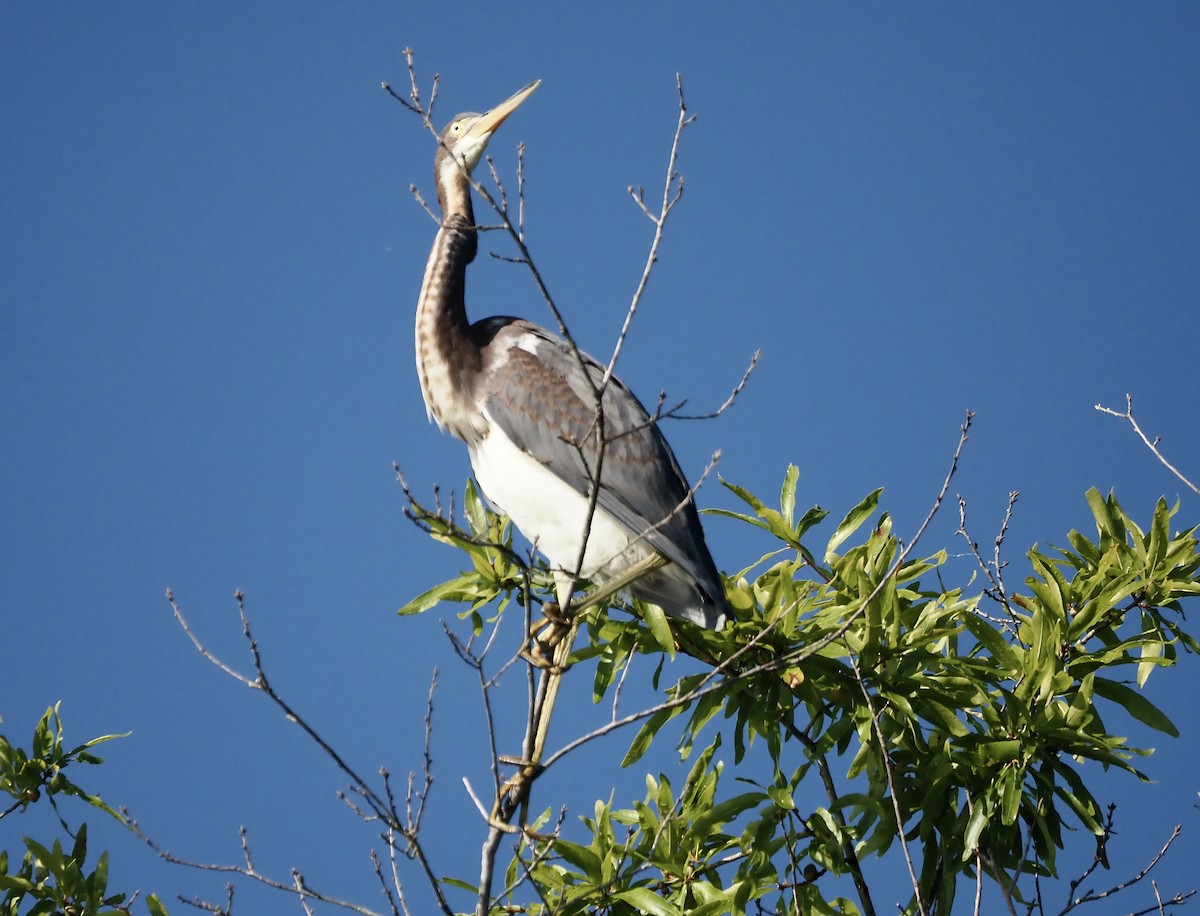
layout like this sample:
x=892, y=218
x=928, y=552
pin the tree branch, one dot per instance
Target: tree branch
x=1127, y=415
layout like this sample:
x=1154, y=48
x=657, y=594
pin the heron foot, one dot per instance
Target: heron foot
x=545, y=636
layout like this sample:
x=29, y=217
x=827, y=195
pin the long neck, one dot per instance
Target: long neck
x=448, y=360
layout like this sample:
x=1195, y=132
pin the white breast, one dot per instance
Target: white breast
x=549, y=512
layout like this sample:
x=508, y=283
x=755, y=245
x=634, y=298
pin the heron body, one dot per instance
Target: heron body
x=521, y=400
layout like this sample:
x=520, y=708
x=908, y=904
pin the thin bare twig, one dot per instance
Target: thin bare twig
x=296, y=886
x=998, y=876
x=994, y=570
x=1127, y=414
x=1092, y=896
x=674, y=413
x=261, y=683
x=672, y=192
x=381, y=808
x=890, y=770
x=791, y=658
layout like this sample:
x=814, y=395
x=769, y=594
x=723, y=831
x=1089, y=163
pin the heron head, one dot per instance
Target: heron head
x=467, y=136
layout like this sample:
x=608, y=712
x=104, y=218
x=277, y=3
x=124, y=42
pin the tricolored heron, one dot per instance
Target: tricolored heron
x=518, y=397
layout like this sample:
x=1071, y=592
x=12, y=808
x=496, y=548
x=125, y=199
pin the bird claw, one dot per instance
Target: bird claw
x=552, y=612
x=545, y=636
x=511, y=794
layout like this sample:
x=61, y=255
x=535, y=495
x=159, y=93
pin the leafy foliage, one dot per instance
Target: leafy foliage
x=955, y=729
x=496, y=570
x=53, y=879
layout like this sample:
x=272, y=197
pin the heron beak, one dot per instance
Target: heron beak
x=487, y=123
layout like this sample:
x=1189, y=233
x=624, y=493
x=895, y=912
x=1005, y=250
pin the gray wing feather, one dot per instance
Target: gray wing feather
x=545, y=405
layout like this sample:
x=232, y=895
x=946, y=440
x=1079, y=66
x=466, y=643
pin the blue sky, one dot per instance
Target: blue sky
x=211, y=263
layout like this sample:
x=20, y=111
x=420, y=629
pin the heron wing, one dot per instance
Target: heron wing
x=535, y=390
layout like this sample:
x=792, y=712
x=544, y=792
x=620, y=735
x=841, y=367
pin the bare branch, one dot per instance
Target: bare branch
x=890, y=770
x=260, y=682
x=1092, y=896
x=1152, y=445
x=377, y=866
x=378, y=807
x=420, y=199
x=728, y=402
x=672, y=191
x=296, y=886
x=994, y=571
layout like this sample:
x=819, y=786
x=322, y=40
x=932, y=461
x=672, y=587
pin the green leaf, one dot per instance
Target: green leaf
x=740, y=516
x=1010, y=793
x=782, y=796
x=725, y=811
x=810, y=519
x=646, y=735
x=1003, y=750
x=1107, y=520
x=713, y=907
x=979, y=820
x=88, y=758
x=991, y=639
x=155, y=906
x=1136, y=705
x=1077, y=797
x=1151, y=658
x=460, y=884
x=1160, y=534
x=648, y=902
x=787, y=494
x=1047, y=586
x=656, y=620
x=744, y=495
x=79, y=850
x=428, y=599
x=473, y=508
x=44, y=742
x=611, y=655
x=99, y=878
x=582, y=858
x=852, y=521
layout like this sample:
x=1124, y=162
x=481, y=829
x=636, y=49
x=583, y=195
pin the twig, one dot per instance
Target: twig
x=849, y=855
x=621, y=680
x=296, y=886
x=261, y=683
x=1152, y=445
x=672, y=192
x=1101, y=855
x=1092, y=896
x=993, y=570
x=414, y=820
x=998, y=877
x=377, y=866
x=384, y=810
x=728, y=402
x=1161, y=906
x=890, y=770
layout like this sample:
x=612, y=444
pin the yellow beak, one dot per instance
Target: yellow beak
x=487, y=123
